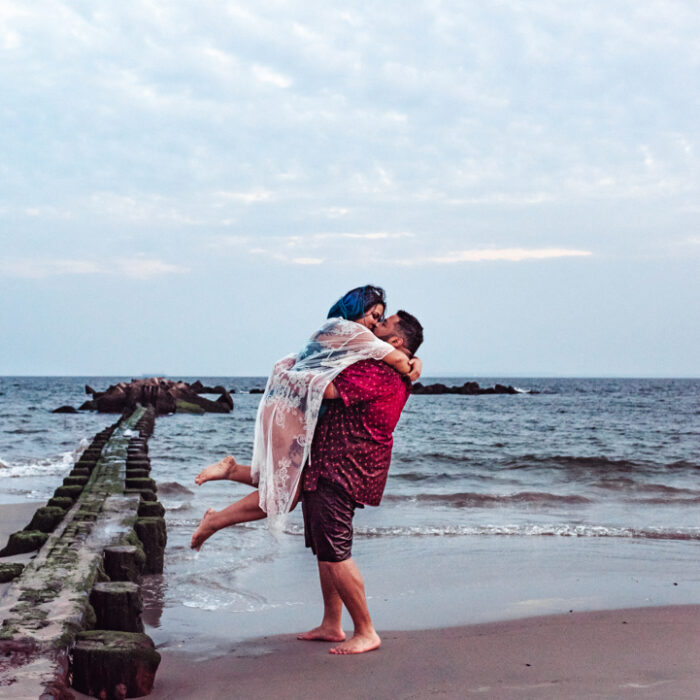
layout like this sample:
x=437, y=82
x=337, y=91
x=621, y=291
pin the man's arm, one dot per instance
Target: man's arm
x=331, y=392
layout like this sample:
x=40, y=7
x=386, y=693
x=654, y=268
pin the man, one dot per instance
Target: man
x=350, y=458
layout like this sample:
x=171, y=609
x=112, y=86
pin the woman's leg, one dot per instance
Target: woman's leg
x=227, y=469
x=243, y=511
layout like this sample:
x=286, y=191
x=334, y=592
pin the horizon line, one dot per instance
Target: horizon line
x=440, y=375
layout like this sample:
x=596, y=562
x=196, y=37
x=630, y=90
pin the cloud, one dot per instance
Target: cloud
x=307, y=261
x=138, y=267
x=374, y=236
x=247, y=197
x=144, y=268
x=255, y=118
x=48, y=268
x=267, y=75
x=507, y=254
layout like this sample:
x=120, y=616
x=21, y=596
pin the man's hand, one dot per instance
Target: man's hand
x=416, y=368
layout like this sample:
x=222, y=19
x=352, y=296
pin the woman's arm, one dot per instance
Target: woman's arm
x=399, y=361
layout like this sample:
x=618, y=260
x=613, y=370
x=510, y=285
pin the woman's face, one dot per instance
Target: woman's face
x=372, y=316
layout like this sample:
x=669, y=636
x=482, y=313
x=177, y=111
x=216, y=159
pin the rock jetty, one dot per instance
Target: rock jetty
x=468, y=388
x=164, y=395
x=74, y=611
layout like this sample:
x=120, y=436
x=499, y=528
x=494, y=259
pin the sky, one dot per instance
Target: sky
x=186, y=188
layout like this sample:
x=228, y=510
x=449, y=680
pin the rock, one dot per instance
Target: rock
x=9, y=572
x=257, y=391
x=187, y=407
x=103, y=659
x=65, y=409
x=24, y=541
x=71, y=492
x=468, y=389
x=164, y=395
x=46, y=518
x=62, y=502
x=225, y=399
x=74, y=480
x=89, y=389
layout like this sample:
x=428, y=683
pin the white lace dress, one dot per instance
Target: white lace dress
x=290, y=407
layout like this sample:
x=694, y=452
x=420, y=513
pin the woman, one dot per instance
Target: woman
x=291, y=406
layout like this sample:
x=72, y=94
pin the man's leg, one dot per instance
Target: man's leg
x=347, y=582
x=242, y=511
x=330, y=629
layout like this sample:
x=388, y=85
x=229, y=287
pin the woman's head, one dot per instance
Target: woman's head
x=366, y=305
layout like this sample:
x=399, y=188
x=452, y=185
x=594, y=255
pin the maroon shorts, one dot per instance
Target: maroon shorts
x=328, y=513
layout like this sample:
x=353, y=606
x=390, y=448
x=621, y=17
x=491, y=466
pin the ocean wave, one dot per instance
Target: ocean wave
x=682, y=465
x=452, y=458
x=427, y=476
x=660, y=501
x=51, y=466
x=570, y=462
x=556, y=530
x=625, y=484
x=483, y=500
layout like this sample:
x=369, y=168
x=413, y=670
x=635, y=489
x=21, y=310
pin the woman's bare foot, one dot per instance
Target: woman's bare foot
x=204, y=530
x=323, y=634
x=359, y=644
x=214, y=472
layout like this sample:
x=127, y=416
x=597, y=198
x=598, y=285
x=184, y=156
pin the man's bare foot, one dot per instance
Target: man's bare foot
x=323, y=634
x=220, y=470
x=359, y=644
x=204, y=530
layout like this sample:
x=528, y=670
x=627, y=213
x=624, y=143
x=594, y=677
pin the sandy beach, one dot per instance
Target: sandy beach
x=636, y=653
x=649, y=652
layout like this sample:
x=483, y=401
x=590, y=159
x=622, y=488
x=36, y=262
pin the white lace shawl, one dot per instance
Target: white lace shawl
x=290, y=406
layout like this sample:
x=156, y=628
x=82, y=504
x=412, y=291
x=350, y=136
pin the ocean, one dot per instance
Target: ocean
x=572, y=494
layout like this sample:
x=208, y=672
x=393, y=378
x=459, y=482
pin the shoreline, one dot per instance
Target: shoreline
x=626, y=651
x=636, y=653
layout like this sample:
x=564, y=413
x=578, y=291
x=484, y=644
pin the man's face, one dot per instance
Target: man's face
x=388, y=328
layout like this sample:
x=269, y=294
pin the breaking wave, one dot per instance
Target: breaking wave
x=51, y=466
x=483, y=500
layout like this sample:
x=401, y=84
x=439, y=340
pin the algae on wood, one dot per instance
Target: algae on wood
x=101, y=659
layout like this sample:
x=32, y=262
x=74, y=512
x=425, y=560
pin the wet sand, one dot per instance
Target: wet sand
x=635, y=653
x=649, y=652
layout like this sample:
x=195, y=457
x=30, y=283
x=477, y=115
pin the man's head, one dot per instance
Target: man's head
x=402, y=330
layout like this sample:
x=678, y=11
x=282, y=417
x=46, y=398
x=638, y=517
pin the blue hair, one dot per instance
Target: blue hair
x=354, y=304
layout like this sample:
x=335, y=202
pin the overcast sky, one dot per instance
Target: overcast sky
x=186, y=187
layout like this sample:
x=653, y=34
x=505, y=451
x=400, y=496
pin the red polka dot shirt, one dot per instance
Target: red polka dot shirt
x=353, y=439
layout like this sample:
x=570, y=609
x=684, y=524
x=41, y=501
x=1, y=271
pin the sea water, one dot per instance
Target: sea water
x=573, y=493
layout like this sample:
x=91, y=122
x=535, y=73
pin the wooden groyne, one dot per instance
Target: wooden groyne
x=72, y=615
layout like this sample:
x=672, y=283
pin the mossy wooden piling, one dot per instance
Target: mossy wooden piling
x=89, y=555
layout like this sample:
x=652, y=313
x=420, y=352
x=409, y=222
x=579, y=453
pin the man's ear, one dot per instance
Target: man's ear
x=396, y=341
